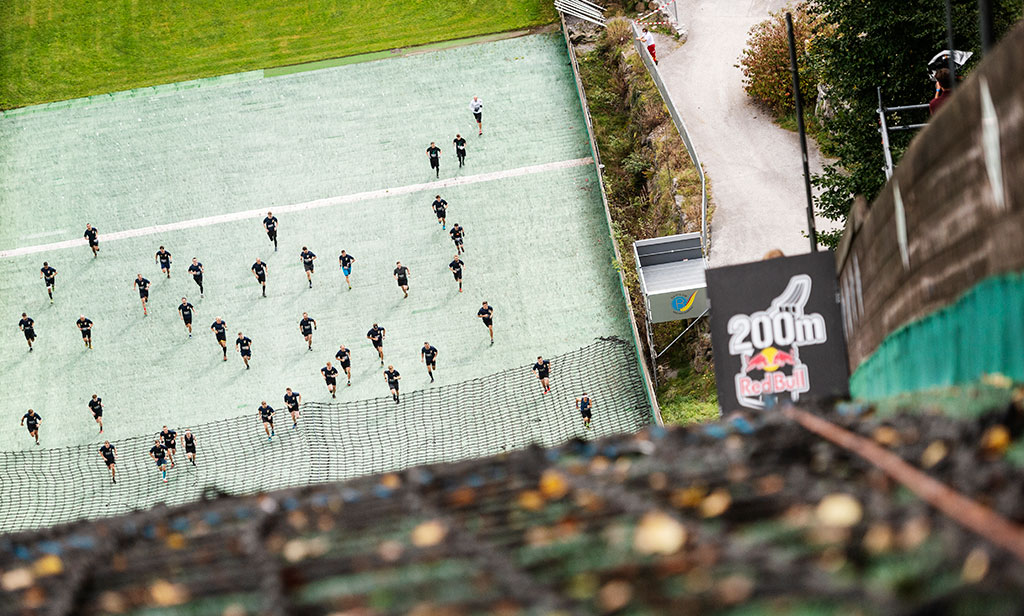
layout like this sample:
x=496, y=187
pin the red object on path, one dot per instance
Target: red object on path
x=654, y=56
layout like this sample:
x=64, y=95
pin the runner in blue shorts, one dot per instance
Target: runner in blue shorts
x=243, y=344
x=345, y=261
x=158, y=453
x=267, y=417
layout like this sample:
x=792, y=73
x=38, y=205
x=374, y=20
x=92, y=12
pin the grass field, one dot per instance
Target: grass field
x=537, y=243
x=60, y=49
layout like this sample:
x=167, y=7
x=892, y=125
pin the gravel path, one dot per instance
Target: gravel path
x=754, y=166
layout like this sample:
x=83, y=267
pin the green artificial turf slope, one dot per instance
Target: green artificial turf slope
x=537, y=244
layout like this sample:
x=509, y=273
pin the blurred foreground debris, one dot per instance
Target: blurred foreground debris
x=755, y=511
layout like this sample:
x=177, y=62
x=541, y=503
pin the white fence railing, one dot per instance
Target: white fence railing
x=677, y=119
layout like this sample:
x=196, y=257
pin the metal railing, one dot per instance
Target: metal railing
x=885, y=129
x=582, y=9
x=677, y=119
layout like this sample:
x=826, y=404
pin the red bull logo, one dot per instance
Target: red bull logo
x=769, y=360
x=768, y=345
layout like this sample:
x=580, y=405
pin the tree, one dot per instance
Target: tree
x=765, y=61
x=863, y=44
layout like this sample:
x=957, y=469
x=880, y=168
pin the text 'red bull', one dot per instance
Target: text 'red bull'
x=774, y=383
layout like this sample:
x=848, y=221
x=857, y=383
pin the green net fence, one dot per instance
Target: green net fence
x=484, y=416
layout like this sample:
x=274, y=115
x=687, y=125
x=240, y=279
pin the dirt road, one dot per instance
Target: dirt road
x=754, y=166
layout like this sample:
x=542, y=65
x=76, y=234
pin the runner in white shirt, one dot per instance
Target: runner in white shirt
x=477, y=106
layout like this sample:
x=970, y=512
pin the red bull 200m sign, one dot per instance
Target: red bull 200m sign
x=776, y=331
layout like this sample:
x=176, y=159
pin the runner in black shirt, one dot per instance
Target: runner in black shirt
x=109, y=454
x=96, y=406
x=292, y=400
x=458, y=234
x=428, y=355
x=33, y=420
x=460, y=148
x=267, y=417
x=196, y=269
x=243, y=344
x=487, y=314
x=270, y=224
x=189, y=440
x=456, y=267
x=185, y=311
x=434, y=153
x=330, y=374
x=542, y=369
x=259, y=270
x=391, y=376
x=585, y=405
x=158, y=453
x=306, y=326
x=170, y=442
x=376, y=336
x=345, y=261
x=344, y=360
x=401, y=274
x=48, y=274
x=164, y=259
x=85, y=326
x=92, y=234
x=308, y=257
x=219, y=328
x=143, y=286
x=28, y=327
x=440, y=207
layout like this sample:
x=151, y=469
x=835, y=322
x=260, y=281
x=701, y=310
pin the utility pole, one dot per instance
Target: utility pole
x=811, y=231
x=985, y=25
x=949, y=41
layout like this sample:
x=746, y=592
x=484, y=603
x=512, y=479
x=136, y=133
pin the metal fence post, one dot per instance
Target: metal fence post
x=884, y=128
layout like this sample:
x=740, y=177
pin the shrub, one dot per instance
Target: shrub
x=602, y=97
x=617, y=32
x=765, y=61
x=637, y=163
x=651, y=114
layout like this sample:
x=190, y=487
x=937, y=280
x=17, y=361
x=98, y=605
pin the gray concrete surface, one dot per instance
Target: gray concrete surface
x=754, y=166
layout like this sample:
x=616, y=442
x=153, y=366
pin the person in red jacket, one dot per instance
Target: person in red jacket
x=943, y=88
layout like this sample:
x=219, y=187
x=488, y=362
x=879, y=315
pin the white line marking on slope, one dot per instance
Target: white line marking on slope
x=299, y=207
